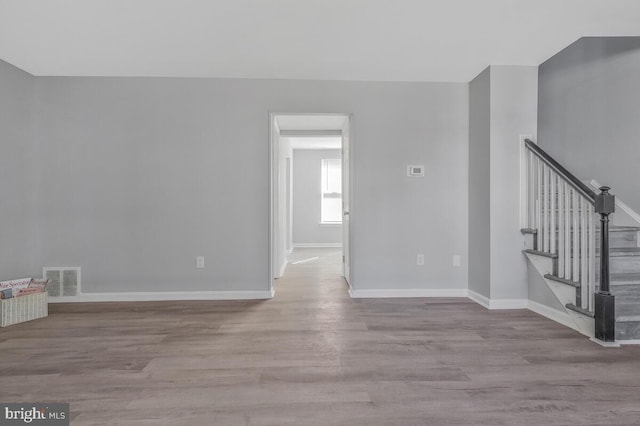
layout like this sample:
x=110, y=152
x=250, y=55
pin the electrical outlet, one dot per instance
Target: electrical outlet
x=199, y=262
x=420, y=259
x=457, y=260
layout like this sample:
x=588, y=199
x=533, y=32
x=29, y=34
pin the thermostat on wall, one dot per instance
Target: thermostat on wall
x=415, y=171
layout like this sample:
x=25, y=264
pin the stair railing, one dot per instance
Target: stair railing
x=605, y=315
x=561, y=211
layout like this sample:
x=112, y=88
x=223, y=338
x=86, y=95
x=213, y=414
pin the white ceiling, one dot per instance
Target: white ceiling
x=383, y=40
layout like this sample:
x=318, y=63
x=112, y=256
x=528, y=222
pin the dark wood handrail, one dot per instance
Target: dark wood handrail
x=588, y=193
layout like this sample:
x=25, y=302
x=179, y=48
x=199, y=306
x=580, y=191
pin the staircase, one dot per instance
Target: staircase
x=563, y=243
x=624, y=259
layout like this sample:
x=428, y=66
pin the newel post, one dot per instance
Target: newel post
x=604, y=302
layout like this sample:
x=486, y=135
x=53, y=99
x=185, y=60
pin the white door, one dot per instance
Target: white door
x=346, y=193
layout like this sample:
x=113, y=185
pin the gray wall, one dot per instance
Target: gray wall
x=143, y=174
x=479, y=183
x=513, y=113
x=18, y=174
x=502, y=107
x=307, y=165
x=589, y=105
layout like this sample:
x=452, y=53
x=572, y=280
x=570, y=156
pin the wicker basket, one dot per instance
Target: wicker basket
x=23, y=308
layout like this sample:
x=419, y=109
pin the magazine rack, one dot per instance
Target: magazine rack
x=24, y=308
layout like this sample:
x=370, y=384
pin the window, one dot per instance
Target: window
x=331, y=188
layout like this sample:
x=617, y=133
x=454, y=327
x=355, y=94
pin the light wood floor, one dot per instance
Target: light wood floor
x=313, y=356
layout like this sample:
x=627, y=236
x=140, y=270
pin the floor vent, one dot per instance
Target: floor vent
x=63, y=281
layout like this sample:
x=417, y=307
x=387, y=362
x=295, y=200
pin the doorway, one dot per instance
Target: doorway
x=310, y=190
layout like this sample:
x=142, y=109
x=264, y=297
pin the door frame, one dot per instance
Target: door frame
x=347, y=205
x=274, y=140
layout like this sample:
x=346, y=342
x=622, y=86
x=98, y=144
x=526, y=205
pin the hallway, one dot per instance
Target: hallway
x=313, y=274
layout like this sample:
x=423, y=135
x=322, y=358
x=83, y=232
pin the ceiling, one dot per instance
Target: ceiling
x=372, y=40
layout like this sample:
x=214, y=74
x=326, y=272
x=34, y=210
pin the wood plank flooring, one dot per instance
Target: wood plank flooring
x=313, y=356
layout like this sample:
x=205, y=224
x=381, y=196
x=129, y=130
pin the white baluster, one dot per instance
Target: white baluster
x=539, y=203
x=530, y=191
x=592, y=256
x=575, y=238
x=552, y=212
x=584, y=259
x=561, y=225
x=545, y=209
x=567, y=231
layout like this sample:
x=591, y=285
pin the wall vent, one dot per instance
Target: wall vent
x=64, y=281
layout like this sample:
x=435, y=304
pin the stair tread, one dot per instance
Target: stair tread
x=597, y=229
x=620, y=228
x=628, y=318
x=575, y=284
x=627, y=297
x=622, y=251
x=541, y=253
x=631, y=300
x=628, y=278
x=626, y=311
x=612, y=228
x=580, y=310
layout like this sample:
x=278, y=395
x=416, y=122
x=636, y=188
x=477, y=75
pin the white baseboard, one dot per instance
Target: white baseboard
x=552, y=314
x=283, y=266
x=317, y=245
x=508, y=303
x=628, y=342
x=407, y=292
x=497, y=303
x=478, y=298
x=154, y=296
x=615, y=344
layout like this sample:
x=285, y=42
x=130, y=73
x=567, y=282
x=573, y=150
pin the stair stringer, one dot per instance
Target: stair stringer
x=584, y=324
x=564, y=293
